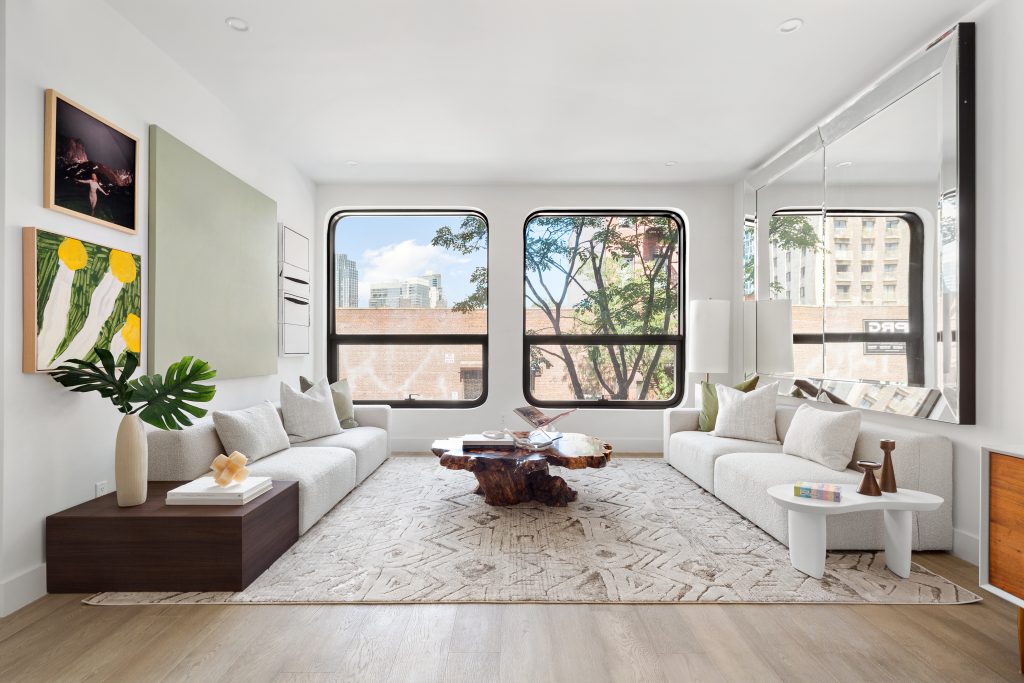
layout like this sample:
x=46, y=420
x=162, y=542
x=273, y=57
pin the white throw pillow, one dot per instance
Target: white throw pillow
x=825, y=436
x=310, y=414
x=747, y=415
x=254, y=432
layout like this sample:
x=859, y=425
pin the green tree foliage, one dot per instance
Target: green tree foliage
x=786, y=232
x=469, y=237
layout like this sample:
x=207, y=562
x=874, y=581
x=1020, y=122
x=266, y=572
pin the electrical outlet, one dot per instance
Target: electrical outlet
x=102, y=489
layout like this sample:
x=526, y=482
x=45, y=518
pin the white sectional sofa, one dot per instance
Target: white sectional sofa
x=326, y=468
x=739, y=473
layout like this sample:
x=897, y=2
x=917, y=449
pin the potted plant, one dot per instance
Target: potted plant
x=166, y=402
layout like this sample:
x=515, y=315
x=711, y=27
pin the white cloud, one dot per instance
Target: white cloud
x=402, y=260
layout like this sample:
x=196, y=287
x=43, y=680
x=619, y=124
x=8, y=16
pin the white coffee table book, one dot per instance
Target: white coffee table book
x=807, y=524
x=205, y=491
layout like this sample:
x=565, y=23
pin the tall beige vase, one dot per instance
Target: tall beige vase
x=131, y=462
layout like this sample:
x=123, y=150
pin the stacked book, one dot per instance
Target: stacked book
x=205, y=491
x=504, y=442
x=830, y=492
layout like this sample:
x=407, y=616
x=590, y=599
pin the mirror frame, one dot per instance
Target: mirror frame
x=912, y=73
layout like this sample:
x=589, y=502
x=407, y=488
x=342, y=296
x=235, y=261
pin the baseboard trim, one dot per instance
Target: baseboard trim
x=23, y=589
x=966, y=546
x=410, y=445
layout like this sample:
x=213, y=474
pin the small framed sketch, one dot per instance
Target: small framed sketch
x=76, y=296
x=91, y=166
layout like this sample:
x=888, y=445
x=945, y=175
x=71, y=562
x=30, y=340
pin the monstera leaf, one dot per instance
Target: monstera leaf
x=168, y=400
x=82, y=376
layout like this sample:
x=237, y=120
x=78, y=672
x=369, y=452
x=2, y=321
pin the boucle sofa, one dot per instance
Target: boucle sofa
x=739, y=473
x=326, y=468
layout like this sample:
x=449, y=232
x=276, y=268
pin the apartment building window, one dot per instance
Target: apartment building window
x=896, y=329
x=601, y=308
x=892, y=247
x=839, y=224
x=408, y=292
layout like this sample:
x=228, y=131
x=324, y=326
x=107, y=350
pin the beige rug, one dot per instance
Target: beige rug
x=640, y=532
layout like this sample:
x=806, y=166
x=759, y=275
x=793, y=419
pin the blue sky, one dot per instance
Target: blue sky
x=396, y=247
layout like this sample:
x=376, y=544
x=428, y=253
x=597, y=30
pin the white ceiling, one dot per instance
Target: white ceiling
x=536, y=90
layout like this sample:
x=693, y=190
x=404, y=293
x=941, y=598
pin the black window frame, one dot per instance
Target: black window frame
x=678, y=340
x=335, y=340
x=913, y=339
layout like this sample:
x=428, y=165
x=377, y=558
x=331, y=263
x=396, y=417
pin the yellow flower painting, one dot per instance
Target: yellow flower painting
x=78, y=295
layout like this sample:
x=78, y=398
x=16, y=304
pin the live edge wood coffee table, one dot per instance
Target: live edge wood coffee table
x=507, y=477
x=98, y=546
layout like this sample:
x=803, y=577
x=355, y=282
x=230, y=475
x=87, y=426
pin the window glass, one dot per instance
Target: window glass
x=601, y=308
x=410, y=306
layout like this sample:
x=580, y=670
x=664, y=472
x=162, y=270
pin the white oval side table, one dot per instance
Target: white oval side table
x=807, y=524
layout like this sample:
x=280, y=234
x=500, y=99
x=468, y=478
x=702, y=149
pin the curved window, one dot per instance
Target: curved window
x=601, y=309
x=408, y=296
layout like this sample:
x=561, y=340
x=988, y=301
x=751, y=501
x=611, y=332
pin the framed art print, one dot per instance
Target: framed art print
x=91, y=166
x=77, y=295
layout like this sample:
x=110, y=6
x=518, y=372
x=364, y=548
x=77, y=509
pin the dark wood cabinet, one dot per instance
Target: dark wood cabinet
x=98, y=546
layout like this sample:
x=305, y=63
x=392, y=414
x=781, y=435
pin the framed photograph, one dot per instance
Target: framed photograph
x=76, y=296
x=91, y=166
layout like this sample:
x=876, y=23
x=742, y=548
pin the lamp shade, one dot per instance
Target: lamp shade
x=708, y=333
x=775, y=336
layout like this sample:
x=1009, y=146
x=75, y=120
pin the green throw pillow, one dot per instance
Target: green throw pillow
x=343, y=405
x=709, y=410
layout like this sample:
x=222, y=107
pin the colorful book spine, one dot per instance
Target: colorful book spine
x=829, y=492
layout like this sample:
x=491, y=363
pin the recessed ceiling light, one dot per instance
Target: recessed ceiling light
x=237, y=23
x=791, y=25
x=671, y=163
x=844, y=164
x=351, y=162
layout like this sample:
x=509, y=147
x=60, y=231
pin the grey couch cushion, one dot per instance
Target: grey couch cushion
x=183, y=455
x=370, y=444
x=325, y=476
x=694, y=453
x=254, y=432
x=308, y=414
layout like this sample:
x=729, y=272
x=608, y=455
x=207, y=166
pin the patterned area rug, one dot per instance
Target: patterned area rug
x=640, y=532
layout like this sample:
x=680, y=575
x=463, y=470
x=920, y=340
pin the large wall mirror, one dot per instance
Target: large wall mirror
x=858, y=278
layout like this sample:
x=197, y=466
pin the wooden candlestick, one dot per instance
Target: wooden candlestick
x=869, y=485
x=888, y=483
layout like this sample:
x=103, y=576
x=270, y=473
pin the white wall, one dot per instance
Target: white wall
x=1000, y=278
x=708, y=211
x=56, y=445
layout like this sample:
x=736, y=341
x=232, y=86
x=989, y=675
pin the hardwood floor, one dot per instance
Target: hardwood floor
x=59, y=639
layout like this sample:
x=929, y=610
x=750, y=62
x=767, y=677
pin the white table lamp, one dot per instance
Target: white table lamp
x=775, y=337
x=708, y=334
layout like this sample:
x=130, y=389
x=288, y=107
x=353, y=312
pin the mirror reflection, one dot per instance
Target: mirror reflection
x=852, y=264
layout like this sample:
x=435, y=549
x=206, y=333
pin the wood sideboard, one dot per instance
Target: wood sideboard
x=1001, y=556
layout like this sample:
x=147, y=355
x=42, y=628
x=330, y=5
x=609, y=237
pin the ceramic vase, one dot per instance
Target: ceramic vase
x=131, y=462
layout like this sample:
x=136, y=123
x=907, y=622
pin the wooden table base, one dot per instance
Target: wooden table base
x=502, y=486
x=508, y=477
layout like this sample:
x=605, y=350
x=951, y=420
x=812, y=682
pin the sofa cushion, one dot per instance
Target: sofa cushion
x=742, y=480
x=254, y=432
x=709, y=402
x=825, y=436
x=370, y=444
x=694, y=454
x=749, y=415
x=325, y=476
x=308, y=414
x=341, y=394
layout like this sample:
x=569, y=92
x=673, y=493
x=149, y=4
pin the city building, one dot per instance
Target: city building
x=346, y=282
x=413, y=292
